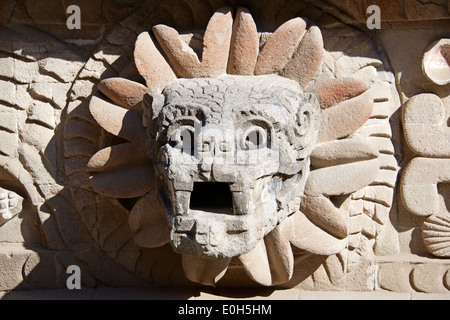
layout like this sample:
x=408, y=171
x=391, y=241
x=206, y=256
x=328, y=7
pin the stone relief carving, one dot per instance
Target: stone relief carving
x=425, y=121
x=248, y=126
x=436, y=62
x=99, y=179
x=10, y=204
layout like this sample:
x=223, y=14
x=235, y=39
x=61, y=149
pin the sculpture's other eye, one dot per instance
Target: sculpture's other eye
x=183, y=139
x=303, y=121
x=256, y=138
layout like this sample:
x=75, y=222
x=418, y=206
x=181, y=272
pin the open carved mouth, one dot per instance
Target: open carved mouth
x=213, y=197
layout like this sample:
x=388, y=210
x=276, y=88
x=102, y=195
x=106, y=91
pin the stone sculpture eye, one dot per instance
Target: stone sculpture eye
x=303, y=119
x=255, y=138
x=183, y=139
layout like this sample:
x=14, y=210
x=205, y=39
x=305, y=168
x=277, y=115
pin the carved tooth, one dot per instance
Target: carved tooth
x=183, y=185
x=261, y=189
x=241, y=203
x=181, y=201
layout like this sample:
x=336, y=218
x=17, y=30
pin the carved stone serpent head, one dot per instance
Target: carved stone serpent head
x=231, y=155
x=216, y=147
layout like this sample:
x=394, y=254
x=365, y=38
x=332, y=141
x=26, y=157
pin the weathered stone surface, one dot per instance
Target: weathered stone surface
x=62, y=69
x=9, y=121
x=325, y=215
x=305, y=235
x=306, y=59
x=244, y=44
x=256, y=264
x=280, y=255
x=216, y=46
x=76, y=128
x=436, y=235
x=207, y=272
x=151, y=64
x=116, y=57
x=42, y=113
x=395, y=276
x=6, y=10
x=6, y=66
x=7, y=92
x=125, y=93
x=415, y=10
x=331, y=92
x=117, y=157
x=95, y=69
x=9, y=144
x=12, y=261
x=82, y=89
x=280, y=47
x=387, y=243
x=342, y=179
x=425, y=126
x=117, y=120
x=131, y=182
x=149, y=223
x=429, y=278
x=48, y=148
x=54, y=93
x=342, y=120
x=341, y=152
x=419, y=185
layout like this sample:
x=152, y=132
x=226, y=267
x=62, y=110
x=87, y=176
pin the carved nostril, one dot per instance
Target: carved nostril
x=206, y=147
x=223, y=147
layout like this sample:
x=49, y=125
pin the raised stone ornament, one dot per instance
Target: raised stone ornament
x=436, y=62
x=233, y=148
x=10, y=204
x=427, y=133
